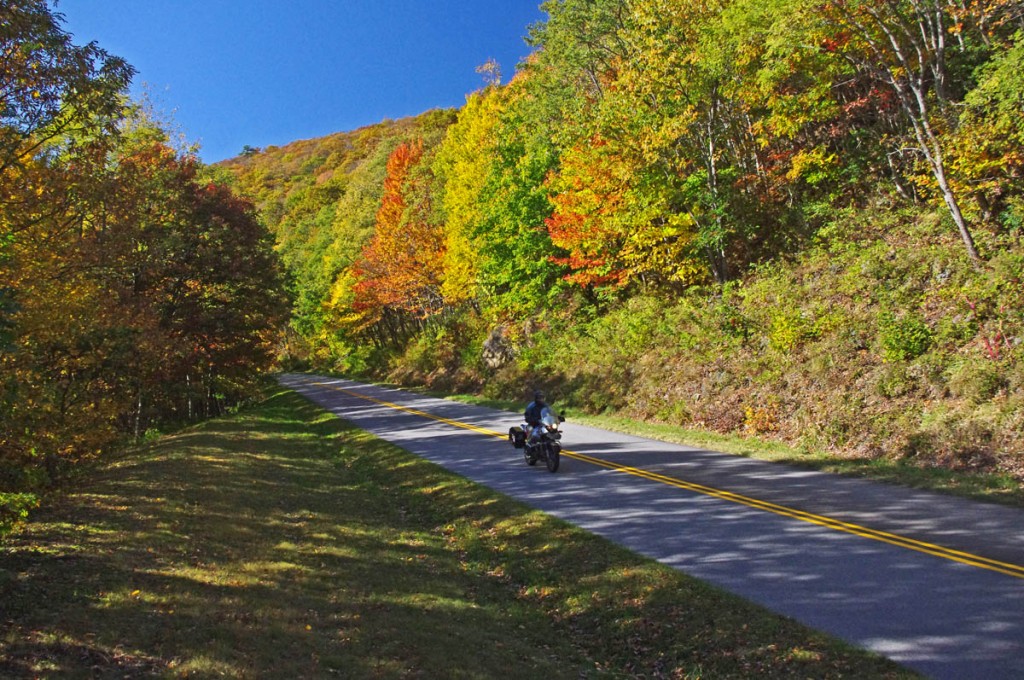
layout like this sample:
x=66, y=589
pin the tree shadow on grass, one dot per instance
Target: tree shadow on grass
x=246, y=548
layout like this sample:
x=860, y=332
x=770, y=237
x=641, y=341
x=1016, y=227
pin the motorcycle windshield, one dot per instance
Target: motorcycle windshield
x=548, y=417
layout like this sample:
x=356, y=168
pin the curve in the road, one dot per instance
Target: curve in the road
x=962, y=557
x=931, y=581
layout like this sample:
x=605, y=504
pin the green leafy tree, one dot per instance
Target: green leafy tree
x=60, y=105
x=53, y=92
x=517, y=275
x=55, y=97
x=987, y=152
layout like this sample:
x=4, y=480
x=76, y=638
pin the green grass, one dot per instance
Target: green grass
x=282, y=543
x=982, y=486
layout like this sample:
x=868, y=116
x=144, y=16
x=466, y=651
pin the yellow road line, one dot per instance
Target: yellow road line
x=821, y=520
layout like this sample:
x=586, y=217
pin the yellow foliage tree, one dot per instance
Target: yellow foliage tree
x=462, y=165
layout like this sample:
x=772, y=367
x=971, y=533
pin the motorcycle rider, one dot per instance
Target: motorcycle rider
x=533, y=413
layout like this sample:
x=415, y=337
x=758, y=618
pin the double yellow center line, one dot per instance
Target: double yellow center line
x=1006, y=568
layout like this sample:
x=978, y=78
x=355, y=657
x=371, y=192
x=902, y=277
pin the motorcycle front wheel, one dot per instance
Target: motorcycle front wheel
x=551, y=457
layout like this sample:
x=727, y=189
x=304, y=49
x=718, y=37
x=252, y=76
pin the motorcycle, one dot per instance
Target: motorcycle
x=540, y=443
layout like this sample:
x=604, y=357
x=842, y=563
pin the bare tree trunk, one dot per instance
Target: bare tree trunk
x=714, y=248
x=138, y=414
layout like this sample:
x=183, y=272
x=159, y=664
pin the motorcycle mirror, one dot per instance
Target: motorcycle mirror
x=561, y=419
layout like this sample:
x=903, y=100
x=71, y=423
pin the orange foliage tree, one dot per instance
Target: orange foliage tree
x=399, y=274
x=148, y=298
x=587, y=201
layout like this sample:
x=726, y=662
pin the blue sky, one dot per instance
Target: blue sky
x=231, y=73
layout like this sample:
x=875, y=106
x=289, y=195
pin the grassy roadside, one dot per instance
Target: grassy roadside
x=989, y=487
x=281, y=543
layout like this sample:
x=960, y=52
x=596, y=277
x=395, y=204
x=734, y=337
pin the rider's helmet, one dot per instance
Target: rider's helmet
x=538, y=395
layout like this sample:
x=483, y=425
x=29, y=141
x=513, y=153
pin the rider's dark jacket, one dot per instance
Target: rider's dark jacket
x=533, y=412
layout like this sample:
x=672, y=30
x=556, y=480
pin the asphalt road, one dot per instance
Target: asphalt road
x=933, y=582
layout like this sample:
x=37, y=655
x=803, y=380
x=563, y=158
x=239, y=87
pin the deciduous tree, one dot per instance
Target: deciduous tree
x=401, y=267
x=922, y=51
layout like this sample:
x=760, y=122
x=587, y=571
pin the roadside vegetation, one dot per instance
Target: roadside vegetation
x=860, y=356
x=281, y=542
x=137, y=294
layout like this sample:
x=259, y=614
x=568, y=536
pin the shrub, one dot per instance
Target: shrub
x=787, y=329
x=763, y=418
x=14, y=508
x=977, y=381
x=903, y=338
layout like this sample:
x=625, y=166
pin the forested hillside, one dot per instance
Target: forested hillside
x=135, y=292
x=790, y=218
x=321, y=199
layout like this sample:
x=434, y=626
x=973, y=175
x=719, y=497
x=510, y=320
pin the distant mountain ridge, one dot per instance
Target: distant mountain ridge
x=275, y=172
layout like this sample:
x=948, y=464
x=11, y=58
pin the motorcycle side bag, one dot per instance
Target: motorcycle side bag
x=517, y=437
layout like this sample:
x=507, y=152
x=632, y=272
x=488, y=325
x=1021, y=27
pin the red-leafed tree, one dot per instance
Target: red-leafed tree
x=401, y=268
